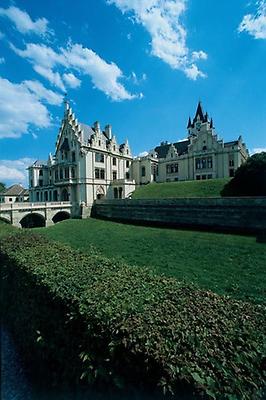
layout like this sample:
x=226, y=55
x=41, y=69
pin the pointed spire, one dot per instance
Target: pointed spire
x=199, y=113
x=189, y=123
x=206, y=117
x=211, y=124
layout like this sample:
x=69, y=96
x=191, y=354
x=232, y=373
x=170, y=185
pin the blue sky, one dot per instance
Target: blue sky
x=140, y=65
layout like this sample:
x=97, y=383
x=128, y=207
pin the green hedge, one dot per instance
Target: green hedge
x=87, y=317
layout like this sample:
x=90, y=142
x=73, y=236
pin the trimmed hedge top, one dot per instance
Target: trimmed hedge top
x=161, y=331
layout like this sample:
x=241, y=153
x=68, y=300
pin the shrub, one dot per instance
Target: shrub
x=249, y=179
x=87, y=317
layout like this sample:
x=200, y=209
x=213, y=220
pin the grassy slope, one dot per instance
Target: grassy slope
x=226, y=264
x=208, y=188
x=6, y=229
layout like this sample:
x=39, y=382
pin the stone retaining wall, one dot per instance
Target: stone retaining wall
x=236, y=214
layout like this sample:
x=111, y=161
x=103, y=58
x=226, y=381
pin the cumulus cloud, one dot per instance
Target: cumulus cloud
x=15, y=171
x=162, y=19
x=23, y=22
x=105, y=76
x=258, y=150
x=255, y=24
x=20, y=108
x=43, y=93
x=71, y=80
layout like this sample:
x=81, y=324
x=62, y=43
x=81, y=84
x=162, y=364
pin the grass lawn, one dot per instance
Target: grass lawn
x=208, y=188
x=226, y=264
x=6, y=229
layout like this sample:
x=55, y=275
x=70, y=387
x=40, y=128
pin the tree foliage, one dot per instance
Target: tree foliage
x=249, y=179
x=2, y=187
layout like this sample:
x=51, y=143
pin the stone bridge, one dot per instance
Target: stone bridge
x=27, y=215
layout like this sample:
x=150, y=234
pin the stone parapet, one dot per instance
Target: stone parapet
x=245, y=214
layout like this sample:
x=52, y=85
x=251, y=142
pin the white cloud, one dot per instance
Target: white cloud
x=53, y=77
x=162, y=19
x=19, y=109
x=44, y=59
x=105, y=76
x=143, y=154
x=24, y=23
x=71, y=80
x=14, y=171
x=44, y=94
x=255, y=24
x=2, y=60
x=258, y=150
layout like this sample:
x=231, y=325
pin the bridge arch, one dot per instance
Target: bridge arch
x=32, y=220
x=6, y=220
x=60, y=216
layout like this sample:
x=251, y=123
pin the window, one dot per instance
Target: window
x=114, y=175
x=204, y=148
x=56, y=175
x=73, y=156
x=209, y=176
x=127, y=175
x=40, y=182
x=41, y=172
x=66, y=173
x=203, y=177
x=127, y=164
x=99, y=173
x=143, y=171
x=37, y=196
x=61, y=173
x=203, y=163
x=72, y=172
x=115, y=193
x=31, y=182
x=197, y=177
x=231, y=163
x=114, y=148
x=171, y=168
x=99, y=157
x=99, y=143
x=114, y=161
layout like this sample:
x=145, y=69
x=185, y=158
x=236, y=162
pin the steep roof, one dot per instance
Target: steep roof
x=181, y=147
x=199, y=113
x=14, y=190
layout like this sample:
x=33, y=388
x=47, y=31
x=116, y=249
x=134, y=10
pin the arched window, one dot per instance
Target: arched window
x=115, y=193
x=120, y=190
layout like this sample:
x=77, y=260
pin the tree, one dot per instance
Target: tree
x=2, y=187
x=249, y=179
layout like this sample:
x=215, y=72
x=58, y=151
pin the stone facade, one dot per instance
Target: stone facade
x=201, y=156
x=88, y=164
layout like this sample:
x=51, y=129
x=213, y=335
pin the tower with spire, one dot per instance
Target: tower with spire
x=200, y=122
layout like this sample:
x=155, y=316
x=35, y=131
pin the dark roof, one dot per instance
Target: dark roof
x=87, y=132
x=14, y=190
x=199, y=113
x=231, y=143
x=181, y=147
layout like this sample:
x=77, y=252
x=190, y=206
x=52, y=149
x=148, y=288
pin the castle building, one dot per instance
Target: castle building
x=88, y=164
x=201, y=156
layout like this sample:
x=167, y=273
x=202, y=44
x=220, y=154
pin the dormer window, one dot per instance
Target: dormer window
x=99, y=143
x=204, y=148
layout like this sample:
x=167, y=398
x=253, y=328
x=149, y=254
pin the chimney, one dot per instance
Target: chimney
x=108, y=131
x=97, y=126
